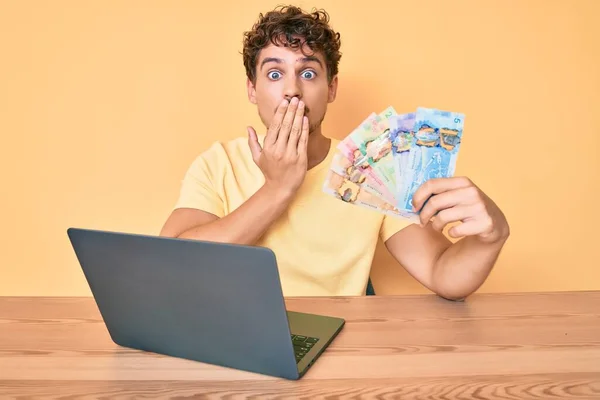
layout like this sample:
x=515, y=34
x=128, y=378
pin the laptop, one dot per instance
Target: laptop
x=215, y=303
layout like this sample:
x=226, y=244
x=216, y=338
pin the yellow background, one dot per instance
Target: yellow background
x=104, y=104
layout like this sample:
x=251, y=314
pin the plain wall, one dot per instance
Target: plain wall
x=104, y=104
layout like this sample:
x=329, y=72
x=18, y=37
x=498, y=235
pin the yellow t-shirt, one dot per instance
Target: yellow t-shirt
x=323, y=246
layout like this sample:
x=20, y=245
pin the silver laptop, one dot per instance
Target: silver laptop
x=211, y=302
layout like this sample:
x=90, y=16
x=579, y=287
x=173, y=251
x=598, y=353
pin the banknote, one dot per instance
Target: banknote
x=372, y=127
x=343, y=189
x=402, y=137
x=366, y=123
x=433, y=153
x=343, y=166
x=372, y=139
x=350, y=151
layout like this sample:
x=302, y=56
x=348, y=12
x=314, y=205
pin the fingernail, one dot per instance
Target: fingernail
x=301, y=104
x=294, y=100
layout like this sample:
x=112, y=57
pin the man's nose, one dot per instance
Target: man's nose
x=292, y=88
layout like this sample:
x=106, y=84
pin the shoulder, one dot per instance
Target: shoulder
x=223, y=153
x=225, y=148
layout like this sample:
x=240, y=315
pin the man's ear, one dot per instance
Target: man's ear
x=251, y=91
x=333, y=89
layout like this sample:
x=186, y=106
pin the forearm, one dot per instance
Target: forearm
x=246, y=224
x=463, y=267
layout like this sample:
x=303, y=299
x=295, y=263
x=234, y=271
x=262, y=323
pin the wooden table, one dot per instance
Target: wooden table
x=505, y=346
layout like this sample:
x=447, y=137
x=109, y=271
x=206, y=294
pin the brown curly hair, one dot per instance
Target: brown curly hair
x=279, y=28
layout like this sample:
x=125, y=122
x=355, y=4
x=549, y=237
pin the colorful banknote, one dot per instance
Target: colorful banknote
x=351, y=151
x=382, y=162
x=352, y=193
x=345, y=167
x=434, y=151
x=402, y=138
x=371, y=137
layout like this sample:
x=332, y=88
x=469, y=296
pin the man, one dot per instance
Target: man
x=267, y=190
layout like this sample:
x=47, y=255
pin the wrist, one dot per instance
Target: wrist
x=277, y=194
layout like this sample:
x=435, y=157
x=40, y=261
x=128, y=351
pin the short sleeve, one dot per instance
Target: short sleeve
x=198, y=189
x=392, y=225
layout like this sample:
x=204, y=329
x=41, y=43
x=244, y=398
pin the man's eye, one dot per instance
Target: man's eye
x=308, y=75
x=274, y=75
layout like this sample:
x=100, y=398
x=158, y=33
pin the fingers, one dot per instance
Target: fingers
x=303, y=141
x=450, y=215
x=436, y=186
x=471, y=228
x=439, y=202
x=255, y=148
x=296, y=132
x=287, y=124
x=273, y=131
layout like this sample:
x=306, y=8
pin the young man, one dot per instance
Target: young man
x=267, y=190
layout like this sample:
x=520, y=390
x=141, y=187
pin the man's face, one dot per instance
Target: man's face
x=282, y=72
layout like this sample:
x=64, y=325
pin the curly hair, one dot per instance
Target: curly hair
x=289, y=26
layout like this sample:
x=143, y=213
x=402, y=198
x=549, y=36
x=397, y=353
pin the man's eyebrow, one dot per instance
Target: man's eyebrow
x=311, y=58
x=280, y=61
x=271, y=59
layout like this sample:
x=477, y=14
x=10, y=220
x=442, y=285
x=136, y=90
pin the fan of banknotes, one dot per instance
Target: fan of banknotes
x=382, y=162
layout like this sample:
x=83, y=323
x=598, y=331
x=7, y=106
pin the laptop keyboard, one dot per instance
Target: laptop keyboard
x=302, y=344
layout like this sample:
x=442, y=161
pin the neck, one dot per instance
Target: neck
x=317, y=148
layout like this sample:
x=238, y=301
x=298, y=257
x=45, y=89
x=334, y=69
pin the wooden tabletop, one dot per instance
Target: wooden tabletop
x=504, y=346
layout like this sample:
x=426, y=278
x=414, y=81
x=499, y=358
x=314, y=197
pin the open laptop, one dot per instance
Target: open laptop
x=211, y=302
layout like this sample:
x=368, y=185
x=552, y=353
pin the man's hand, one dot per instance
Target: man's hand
x=458, y=199
x=283, y=160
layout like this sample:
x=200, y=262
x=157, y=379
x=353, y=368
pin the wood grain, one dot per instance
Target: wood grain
x=491, y=346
